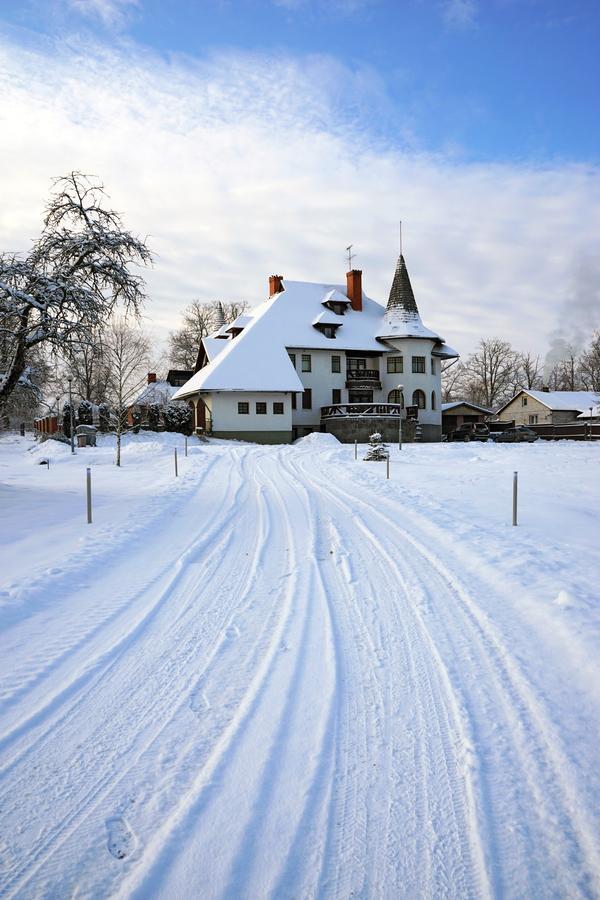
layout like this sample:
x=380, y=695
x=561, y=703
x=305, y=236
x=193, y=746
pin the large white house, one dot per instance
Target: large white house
x=321, y=357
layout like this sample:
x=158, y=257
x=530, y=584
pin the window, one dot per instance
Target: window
x=356, y=363
x=293, y=401
x=433, y=398
x=293, y=359
x=336, y=395
x=418, y=366
x=523, y=401
x=328, y=331
x=360, y=396
x=307, y=398
x=395, y=396
x=306, y=363
x=395, y=364
x=336, y=364
x=243, y=409
x=533, y=420
x=278, y=409
x=261, y=409
x=432, y=366
x=418, y=398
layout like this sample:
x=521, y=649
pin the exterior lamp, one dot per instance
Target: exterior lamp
x=401, y=389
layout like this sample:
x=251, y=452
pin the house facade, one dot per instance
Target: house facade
x=321, y=357
x=547, y=407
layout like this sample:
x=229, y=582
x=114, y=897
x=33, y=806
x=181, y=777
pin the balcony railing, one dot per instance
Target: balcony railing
x=381, y=410
x=362, y=374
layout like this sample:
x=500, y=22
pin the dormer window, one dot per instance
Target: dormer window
x=338, y=308
x=327, y=331
x=325, y=324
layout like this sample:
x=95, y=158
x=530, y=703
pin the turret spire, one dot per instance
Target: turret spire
x=402, y=300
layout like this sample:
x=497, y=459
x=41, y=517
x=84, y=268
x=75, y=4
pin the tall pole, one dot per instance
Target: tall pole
x=515, y=489
x=88, y=485
x=71, y=417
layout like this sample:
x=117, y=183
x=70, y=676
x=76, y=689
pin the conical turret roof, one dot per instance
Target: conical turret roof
x=401, y=293
x=402, y=317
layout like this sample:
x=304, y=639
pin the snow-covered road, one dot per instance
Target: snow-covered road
x=287, y=678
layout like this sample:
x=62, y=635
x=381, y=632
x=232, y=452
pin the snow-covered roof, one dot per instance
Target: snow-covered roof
x=157, y=393
x=444, y=351
x=242, y=320
x=595, y=412
x=402, y=317
x=213, y=346
x=561, y=400
x=327, y=317
x=335, y=296
x=453, y=405
x=257, y=359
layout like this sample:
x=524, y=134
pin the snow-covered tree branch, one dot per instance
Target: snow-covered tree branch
x=72, y=280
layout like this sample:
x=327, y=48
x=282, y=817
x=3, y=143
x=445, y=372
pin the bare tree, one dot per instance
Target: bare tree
x=564, y=374
x=589, y=365
x=72, y=279
x=489, y=373
x=453, y=376
x=126, y=350
x=200, y=320
x=87, y=366
x=529, y=372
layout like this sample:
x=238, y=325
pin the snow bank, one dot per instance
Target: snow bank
x=318, y=440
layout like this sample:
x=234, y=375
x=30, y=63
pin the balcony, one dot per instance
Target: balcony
x=368, y=378
x=362, y=410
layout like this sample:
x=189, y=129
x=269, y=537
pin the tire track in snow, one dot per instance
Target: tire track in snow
x=207, y=786
x=535, y=758
x=96, y=668
x=432, y=713
x=53, y=838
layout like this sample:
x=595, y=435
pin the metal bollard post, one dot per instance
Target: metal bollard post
x=186, y=445
x=88, y=484
x=388, y=466
x=175, y=455
x=515, y=491
x=355, y=448
x=400, y=435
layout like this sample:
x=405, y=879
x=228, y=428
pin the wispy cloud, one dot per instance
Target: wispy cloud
x=236, y=168
x=112, y=13
x=326, y=7
x=460, y=13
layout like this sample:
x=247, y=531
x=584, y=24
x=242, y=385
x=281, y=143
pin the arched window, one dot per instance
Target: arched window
x=433, y=399
x=419, y=399
x=396, y=397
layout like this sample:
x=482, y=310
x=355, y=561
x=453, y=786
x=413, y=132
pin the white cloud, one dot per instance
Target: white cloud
x=460, y=13
x=242, y=166
x=112, y=13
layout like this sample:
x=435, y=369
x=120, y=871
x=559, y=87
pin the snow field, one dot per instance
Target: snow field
x=283, y=675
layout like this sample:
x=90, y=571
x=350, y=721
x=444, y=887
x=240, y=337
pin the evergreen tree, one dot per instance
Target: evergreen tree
x=377, y=451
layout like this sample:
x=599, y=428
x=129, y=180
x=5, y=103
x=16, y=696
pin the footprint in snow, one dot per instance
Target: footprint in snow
x=120, y=837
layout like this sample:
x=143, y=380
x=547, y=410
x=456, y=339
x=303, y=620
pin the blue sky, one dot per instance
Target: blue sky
x=492, y=80
x=248, y=136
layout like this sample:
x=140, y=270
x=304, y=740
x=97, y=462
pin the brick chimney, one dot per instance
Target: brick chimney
x=275, y=284
x=354, y=288
x=151, y=377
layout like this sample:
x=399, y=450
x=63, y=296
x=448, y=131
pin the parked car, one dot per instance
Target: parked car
x=470, y=431
x=517, y=434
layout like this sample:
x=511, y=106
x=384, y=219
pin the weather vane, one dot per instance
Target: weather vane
x=351, y=256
